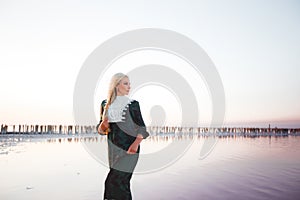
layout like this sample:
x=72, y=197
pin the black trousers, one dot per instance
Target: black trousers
x=117, y=185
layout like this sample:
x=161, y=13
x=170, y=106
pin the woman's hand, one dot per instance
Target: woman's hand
x=133, y=148
x=135, y=145
x=103, y=126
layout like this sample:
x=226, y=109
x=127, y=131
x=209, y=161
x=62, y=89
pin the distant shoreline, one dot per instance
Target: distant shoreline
x=153, y=130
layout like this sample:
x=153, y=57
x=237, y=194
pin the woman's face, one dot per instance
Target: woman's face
x=123, y=87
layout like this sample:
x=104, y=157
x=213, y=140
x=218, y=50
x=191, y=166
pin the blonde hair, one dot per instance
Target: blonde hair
x=112, y=90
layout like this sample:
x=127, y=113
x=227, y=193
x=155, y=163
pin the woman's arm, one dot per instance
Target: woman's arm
x=142, y=133
x=136, y=115
x=104, y=122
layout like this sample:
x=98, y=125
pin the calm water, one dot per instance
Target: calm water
x=61, y=167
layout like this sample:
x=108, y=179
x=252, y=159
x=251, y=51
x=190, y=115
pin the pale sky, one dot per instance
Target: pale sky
x=255, y=46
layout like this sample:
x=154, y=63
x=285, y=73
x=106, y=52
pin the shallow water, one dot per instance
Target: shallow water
x=67, y=167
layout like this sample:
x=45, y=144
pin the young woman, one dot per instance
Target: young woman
x=122, y=122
